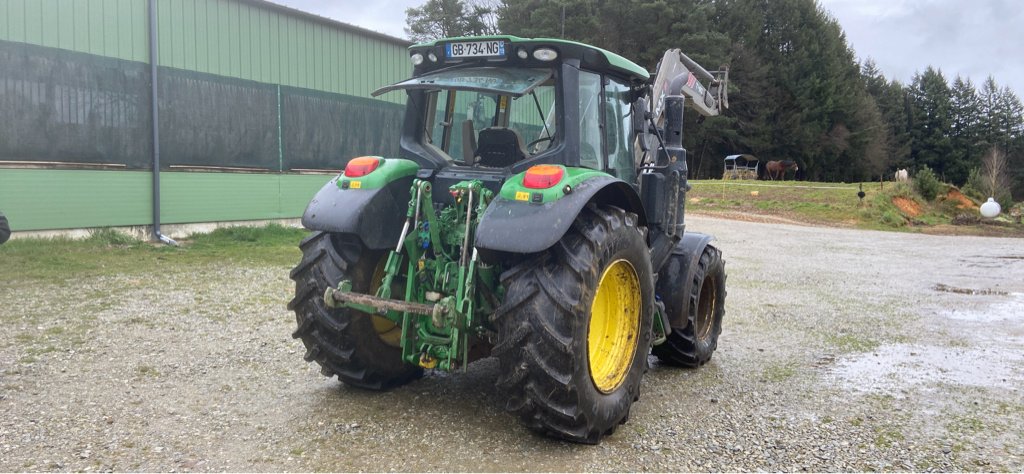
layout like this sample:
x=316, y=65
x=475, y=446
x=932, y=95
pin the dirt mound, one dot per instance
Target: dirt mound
x=908, y=207
x=962, y=202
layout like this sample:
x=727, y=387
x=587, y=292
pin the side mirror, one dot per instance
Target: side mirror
x=639, y=114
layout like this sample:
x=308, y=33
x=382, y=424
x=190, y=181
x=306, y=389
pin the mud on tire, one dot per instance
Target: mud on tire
x=544, y=323
x=694, y=344
x=343, y=342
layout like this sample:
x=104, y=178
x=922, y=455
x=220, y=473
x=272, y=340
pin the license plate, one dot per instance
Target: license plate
x=475, y=49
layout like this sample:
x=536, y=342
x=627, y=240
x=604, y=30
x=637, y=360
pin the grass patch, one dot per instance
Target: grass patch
x=273, y=244
x=25, y=337
x=779, y=372
x=112, y=238
x=965, y=424
x=851, y=343
x=834, y=204
x=40, y=350
x=819, y=202
x=886, y=437
x=108, y=252
x=1007, y=408
x=267, y=236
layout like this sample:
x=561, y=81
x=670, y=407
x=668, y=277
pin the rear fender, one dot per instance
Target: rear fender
x=372, y=207
x=524, y=226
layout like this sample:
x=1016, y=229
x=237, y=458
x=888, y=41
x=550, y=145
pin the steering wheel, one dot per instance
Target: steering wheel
x=537, y=142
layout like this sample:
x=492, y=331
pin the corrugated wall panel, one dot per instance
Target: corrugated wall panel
x=234, y=38
x=115, y=28
x=39, y=199
x=124, y=198
x=211, y=197
x=15, y=20
x=214, y=197
x=247, y=41
x=224, y=37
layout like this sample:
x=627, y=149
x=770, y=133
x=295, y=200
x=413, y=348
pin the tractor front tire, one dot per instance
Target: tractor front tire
x=703, y=307
x=357, y=347
x=574, y=329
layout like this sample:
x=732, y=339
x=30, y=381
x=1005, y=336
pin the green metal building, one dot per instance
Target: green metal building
x=258, y=104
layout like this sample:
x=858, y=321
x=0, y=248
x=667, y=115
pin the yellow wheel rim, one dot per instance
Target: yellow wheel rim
x=706, y=308
x=614, y=326
x=387, y=330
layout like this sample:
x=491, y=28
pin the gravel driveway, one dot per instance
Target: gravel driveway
x=842, y=350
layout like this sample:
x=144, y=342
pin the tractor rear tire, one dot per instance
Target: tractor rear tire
x=574, y=329
x=346, y=343
x=704, y=307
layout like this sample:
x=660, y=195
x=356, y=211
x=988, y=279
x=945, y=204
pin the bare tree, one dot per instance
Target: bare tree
x=995, y=172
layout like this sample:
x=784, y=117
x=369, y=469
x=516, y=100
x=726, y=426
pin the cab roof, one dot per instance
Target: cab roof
x=591, y=57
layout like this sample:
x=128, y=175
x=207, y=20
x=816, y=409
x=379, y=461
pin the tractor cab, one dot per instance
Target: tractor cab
x=495, y=106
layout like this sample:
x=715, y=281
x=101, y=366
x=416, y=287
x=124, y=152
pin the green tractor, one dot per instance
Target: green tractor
x=535, y=215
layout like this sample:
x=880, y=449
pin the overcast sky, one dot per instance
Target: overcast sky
x=972, y=38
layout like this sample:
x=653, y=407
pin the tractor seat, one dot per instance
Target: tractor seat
x=499, y=147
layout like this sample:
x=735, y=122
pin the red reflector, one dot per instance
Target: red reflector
x=361, y=166
x=543, y=176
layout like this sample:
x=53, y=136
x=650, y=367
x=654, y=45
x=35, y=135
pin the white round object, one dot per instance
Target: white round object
x=991, y=208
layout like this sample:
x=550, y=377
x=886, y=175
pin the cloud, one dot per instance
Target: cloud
x=383, y=16
x=971, y=39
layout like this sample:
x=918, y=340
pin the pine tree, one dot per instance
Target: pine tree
x=544, y=19
x=890, y=98
x=1009, y=118
x=889, y=101
x=930, y=121
x=965, y=121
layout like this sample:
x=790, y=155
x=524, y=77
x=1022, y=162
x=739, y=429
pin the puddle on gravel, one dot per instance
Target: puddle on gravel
x=993, y=359
x=895, y=367
x=1011, y=310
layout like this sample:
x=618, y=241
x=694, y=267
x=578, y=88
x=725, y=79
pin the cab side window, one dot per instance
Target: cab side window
x=618, y=124
x=590, y=121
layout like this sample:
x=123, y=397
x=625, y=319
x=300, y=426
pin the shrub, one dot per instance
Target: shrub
x=110, y=237
x=901, y=189
x=892, y=218
x=975, y=185
x=927, y=184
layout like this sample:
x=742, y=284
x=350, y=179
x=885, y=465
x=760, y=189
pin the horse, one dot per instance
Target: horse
x=901, y=175
x=777, y=169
